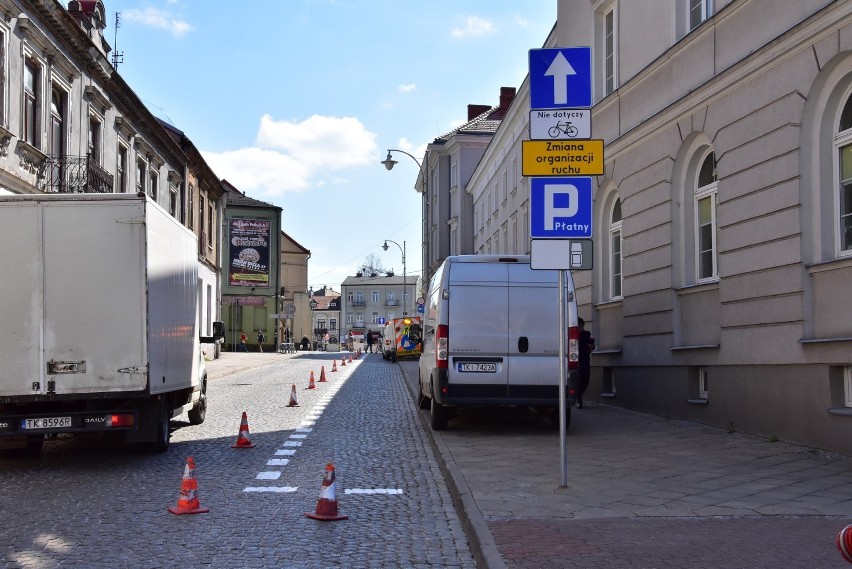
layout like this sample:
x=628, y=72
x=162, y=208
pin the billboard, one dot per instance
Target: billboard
x=248, y=252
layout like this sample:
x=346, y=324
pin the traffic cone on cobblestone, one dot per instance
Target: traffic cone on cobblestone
x=333, y=365
x=188, y=498
x=243, y=440
x=350, y=359
x=343, y=361
x=311, y=384
x=844, y=543
x=293, y=401
x=326, y=509
x=322, y=374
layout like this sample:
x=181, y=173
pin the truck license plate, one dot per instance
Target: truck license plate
x=478, y=368
x=46, y=423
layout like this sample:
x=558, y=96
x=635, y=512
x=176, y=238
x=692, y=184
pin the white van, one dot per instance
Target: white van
x=490, y=337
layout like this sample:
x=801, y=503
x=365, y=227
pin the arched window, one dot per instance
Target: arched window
x=843, y=141
x=615, y=251
x=705, y=219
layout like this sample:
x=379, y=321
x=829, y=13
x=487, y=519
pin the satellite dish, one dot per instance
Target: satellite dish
x=290, y=310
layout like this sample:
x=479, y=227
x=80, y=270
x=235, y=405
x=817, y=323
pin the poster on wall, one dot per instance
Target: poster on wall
x=249, y=253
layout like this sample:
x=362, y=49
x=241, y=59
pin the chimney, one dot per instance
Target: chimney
x=507, y=95
x=474, y=111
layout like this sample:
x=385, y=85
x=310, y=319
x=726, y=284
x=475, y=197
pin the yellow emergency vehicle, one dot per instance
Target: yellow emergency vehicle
x=402, y=338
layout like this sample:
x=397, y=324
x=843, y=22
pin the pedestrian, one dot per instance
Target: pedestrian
x=243, y=339
x=370, y=342
x=587, y=346
x=260, y=339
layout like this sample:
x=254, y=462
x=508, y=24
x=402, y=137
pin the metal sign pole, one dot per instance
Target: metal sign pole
x=563, y=454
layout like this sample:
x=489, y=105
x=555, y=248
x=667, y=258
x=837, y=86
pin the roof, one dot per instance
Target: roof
x=239, y=199
x=379, y=280
x=486, y=123
x=324, y=302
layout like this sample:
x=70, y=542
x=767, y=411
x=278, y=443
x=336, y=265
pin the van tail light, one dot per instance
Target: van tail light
x=574, y=348
x=442, y=344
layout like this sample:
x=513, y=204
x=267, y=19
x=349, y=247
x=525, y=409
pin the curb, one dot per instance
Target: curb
x=483, y=546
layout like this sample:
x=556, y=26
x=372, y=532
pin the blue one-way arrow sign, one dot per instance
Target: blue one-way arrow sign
x=561, y=77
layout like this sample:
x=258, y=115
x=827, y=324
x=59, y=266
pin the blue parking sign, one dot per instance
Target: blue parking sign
x=561, y=207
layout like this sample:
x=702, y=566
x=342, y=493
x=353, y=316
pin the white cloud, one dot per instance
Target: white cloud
x=292, y=156
x=474, y=27
x=155, y=18
x=408, y=88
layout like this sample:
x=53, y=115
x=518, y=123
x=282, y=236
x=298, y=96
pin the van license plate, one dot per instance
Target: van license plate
x=46, y=423
x=478, y=368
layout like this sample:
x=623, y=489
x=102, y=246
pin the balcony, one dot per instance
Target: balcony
x=358, y=302
x=75, y=175
x=392, y=302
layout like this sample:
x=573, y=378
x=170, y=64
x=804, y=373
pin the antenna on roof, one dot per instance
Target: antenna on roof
x=117, y=56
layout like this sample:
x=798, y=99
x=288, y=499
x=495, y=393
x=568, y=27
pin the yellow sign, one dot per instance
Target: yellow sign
x=562, y=157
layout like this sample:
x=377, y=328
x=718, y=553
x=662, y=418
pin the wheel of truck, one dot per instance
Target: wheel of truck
x=422, y=400
x=161, y=444
x=438, y=415
x=199, y=411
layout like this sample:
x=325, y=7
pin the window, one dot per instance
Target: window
x=58, y=101
x=332, y=323
x=350, y=296
x=210, y=224
x=375, y=319
x=702, y=383
x=615, y=251
x=154, y=184
x=505, y=186
x=201, y=208
x=94, y=146
x=141, y=171
x=121, y=170
x=843, y=142
x=349, y=319
x=375, y=296
x=705, y=219
x=173, y=199
x=32, y=94
x=699, y=10
x=391, y=299
x=847, y=385
x=359, y=296
x=609, y=50
x=190, y=208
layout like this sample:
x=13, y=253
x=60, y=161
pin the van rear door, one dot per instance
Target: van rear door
x=478, y=320
x=533, y=354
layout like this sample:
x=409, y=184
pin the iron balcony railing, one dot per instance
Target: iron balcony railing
x=358, y=302
x=76, y=175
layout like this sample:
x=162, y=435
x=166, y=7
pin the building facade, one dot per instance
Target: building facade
x=293, y=305
x=723, y=248
x=368, y=300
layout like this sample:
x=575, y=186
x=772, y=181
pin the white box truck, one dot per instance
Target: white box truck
x=491, y=337
x=99, y=326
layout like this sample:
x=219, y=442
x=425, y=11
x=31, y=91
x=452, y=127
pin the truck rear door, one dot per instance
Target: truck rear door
x=94, y=297
x=533, y=309
x=478, y=321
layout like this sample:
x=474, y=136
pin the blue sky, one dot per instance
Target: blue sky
x=296, y=102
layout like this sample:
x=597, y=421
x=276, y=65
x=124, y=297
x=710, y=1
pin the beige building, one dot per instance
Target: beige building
x=294, y=301
x=723, y=223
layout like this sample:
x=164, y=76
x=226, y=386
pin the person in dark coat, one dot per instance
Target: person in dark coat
x=370, y=342
x=587, y=346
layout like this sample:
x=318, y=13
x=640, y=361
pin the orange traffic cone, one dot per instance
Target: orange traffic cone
x=844, y=543
x=350, y=359
x=322, y=374
x=334, y=365
x=311, y=384
x=243, y=440
x=343, y=361
x=293, y=401
x=188, y=498
x=326, y=509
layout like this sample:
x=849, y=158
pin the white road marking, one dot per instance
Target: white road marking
x=292, y=443
x=285, y=452
x=373, y=491
x=278, y=462
x=269, y=475
x=270, y=489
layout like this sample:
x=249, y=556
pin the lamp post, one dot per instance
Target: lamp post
x=313, y=303
x=404, y=291
x=389, y=163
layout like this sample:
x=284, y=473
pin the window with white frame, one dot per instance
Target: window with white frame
x=391, y=299
x=847, y=386
x=154, y=184
x=610, y=47
x=121, y=169
x=173, y=199
x=702, y=383
x=615, y=275
x=705, y=220
x=57, y=135
x=141, y=175
x=94, y=142
x=375, y=296
x=843, y=143
x=375, y=318
x=699, y=11
x=332, y=324
x=350, y=319
x=211, y=225
x=505, y=186
x=350, y=296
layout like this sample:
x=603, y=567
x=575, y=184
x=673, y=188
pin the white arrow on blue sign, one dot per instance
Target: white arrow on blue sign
x=561, y=77
x=561, y=207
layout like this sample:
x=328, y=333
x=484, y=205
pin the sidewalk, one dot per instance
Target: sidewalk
x=643, y=492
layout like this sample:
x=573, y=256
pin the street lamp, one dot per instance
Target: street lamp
x=404, y=291
x=313, y=304
x=389, y=163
